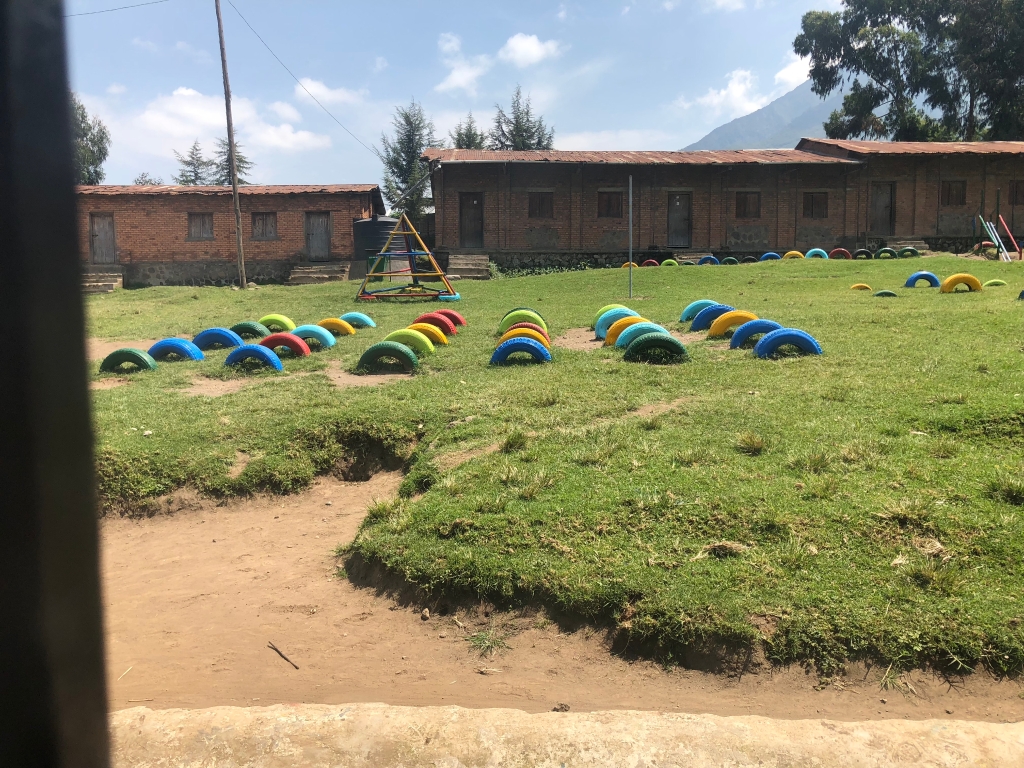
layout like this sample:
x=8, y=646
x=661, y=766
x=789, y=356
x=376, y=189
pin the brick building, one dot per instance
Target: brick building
x=555, y=207
x=186, y=235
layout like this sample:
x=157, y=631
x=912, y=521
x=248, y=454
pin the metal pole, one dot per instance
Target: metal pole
x=231, y=151
x=631, y=236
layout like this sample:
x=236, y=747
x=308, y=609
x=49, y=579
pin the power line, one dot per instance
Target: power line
x=109, y=10
x=303, y=87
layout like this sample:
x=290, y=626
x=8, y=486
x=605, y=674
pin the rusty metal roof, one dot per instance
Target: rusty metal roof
x=853, y=149
x=249, y=189
x=704, y=157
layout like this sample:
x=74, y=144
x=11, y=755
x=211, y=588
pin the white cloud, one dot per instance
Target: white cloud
x=527, y=50
x=284, y=137
x=196, y=54
x=325, y=94
x=146, y=45
x=116, y=89
x=738, y=98
x=449, y=44
x=285, y=111
x=380, y=64
x=793, y=74
x=638, y=139
x=463, y=72
x=563, y=12
x=727, y=5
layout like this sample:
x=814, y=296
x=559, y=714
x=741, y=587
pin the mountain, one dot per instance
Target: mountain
x=780, y=124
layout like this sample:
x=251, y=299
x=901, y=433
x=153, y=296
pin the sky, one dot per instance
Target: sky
x=628, y=74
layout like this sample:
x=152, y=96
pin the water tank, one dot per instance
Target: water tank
x=371, y=235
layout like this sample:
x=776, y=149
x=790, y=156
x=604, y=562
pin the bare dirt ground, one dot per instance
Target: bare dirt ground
x=192, y=600
x=97, y=349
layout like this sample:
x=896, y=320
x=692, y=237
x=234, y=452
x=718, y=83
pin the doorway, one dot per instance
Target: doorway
x=679, y=220
x=103, y=244
x=883, y=212
x=318, y=236
x=471, y=219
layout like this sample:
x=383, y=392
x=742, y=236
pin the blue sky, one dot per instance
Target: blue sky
x=632, y=74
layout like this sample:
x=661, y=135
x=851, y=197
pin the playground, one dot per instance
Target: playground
x=854, y=509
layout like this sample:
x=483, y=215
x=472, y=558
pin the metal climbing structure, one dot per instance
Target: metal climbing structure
x=405, y=282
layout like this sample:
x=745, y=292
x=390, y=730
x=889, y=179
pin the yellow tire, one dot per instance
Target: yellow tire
x=432, y=332
x=729, y=320
x=523, y=333
x=950, y=283
x=618, y=327
x=793, y=255
x=415, y=340
x=860, y=287
x=337, y=327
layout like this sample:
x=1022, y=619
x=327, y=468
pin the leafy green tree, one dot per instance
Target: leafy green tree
x=92, y=144
x=221, y=175
x=145, y=180
x=467, y=135
x=405, y=183
x=519, y=129
x=194, y=170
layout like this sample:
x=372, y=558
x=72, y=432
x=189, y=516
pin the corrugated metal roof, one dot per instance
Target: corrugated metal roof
x=252, y=189
x=704, y=157
x=855, y=148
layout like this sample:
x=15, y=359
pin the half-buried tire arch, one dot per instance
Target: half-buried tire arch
x=816, y=253
x=708, y=315
x=949, y=285
x=609, y=317
x=532, y=327
x=930, y=278
x=792, y=255
x=182, y=348
x=730, y=261
x=441, y=322
x=321, y=335
x=650, y=263
x=723, y=323
x=884, y=294
x=337, y=326
x=217, y=337
x=521, y=316
x=860, y=287
x=694, y=307
x=656, y=348
x=415, y=340
x=524, y=333
x=604, y=309
x=886, y=253
x=996, y=283
x=432, y=332
x=634, y=332
x=524, y=309
x=377, y=355
x=839, y=253
x=670, y=263
x=279, y=323
x=618, y=327
x=290, y=341
x=452, y=315
x=358, y=320
x=863, y=253
x=770, y=256
x=770, y=342
x=534, y=349
x=704, y=260
x=250, y=329
x=267, y=357
x=748, y=330
x=127, y=356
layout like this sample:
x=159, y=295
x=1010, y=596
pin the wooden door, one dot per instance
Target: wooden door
x=471, y=219
x=103, y=245
x=318, y=236
x=883, y=212
x=679, y=220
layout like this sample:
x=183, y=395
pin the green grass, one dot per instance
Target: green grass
x=788, y=504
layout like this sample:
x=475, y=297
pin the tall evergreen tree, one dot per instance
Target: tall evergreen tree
x=145, y=180
x=92, y=144
x=519, y=129
x=467, y=135
x=221, y=175
x=194, y=170
x=413, y=133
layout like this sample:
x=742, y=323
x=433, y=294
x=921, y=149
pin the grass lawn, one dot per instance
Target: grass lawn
x=861, y=504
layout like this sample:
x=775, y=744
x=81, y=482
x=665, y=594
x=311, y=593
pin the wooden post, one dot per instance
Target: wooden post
x=231, y=151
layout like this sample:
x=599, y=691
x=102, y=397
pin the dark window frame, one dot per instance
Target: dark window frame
x=265, y=216
x=946, y=190
x=206, y=216
x=541, y=205
x=744, y=210
x=1017, y=193
x=815, y=205
x=606, y=209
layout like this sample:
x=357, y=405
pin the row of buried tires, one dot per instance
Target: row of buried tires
x=404, y=347
x=814, y=253
x=271, y=333
x=522, y=331
x=642, y=340
x=949, y=285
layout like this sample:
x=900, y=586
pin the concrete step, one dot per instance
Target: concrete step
x=93, y=286
x=469, y=267
x=920, y=245
x=104, y=277
x=317, y=274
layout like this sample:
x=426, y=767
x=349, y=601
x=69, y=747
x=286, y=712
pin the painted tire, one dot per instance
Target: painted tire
x=213, y=337
x=950, y=283
x=707, y=260
x=754, y=328
x=609, y=317
x=816, y=253
x=993, y=283
x=307, y=332
x=840, y=253
x=388, y=350
x=250, y=329
x=618, y=327
x=415, y=340
x=707, y=316
x=932, y=280
x=687, y=263
x=532, y=327
x=534, y=349
x=670, y=263
x=729, y=320
x=693, y=308
x=886, y=253
x=521, y=316
x=908, y=253
x=358, y=320
x=770, y=343
x=182, y=348
x=860, y=287
x=452, y=315
x=634, y=332
x=432, y=332
x=770, y=256
x=298, y=347
x=604, y=309
x=748, y=260
x=141, y=360
x=626, y=265
x=255, y=352
x=792, y=255
x=640, y=348
x=650, y=263
x=439, y=321
x=523, y=309
x=730, y=261
x=278, y=323
x=450, y=297
x=863, y=253
x=337, y=326
x=883, y=294
x=524, y=333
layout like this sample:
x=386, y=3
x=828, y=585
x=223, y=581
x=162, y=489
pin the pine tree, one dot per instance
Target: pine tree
x=92, y=144
x=194, y=170
x=222, y=168
x=467, y=135
x=145, y=180
x=413, y=133
x=520, y=129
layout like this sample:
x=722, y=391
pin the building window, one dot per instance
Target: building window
x=954, y=193
x=748, y=205
x=1017, y=193
x=815, y=205
x=200, y=226
x=542, y=205
x=609, y=205
x=264, y=226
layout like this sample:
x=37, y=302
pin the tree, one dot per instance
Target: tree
x=467, y=136
x=221, y=174
x=519, y=129
x=92, y=144
x=194, y=169
x=413, y=133
x=145, y=180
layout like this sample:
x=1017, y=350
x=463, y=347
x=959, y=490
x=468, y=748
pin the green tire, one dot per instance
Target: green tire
x=521, y=316
x=993, y=283
x=884, y=294
x=141, y=360
x=908, y=253
x=640, y=349
x=412, y=339
x=516, y=309
x=670, y=263
x=388, y=350
x=604, y=309
x=886, y=253
x=251, y=330
x=278, y=323
x=730, y=260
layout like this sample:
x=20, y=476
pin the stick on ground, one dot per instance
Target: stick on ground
x=278, y=651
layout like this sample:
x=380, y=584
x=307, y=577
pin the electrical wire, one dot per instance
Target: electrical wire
x=109, y=10
x=303, y=87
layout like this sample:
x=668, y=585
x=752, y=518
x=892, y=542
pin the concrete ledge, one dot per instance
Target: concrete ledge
x=451, y=737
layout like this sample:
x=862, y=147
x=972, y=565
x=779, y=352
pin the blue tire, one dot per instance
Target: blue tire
x=533, y=348
x=932, y=280
x=358, y=320
x=770, y=256
x=752, y=328
x=182, y=348
x=217, y=337
x=450, y=297
x=707, y=260
x=816, y=253
x=708, y=315
x=604, y=322
x=325, y=337
x=637, y=330
x=254, y=352
x=770, y=343
x=692, y=309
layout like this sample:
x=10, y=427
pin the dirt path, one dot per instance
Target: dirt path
x=192, y=600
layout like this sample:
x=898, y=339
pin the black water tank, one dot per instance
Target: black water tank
x=371, y=235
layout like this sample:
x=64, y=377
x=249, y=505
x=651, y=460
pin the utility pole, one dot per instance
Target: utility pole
x=231, y=151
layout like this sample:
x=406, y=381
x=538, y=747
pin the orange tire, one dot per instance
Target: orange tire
x=729, y=320
x=523, y=333
x=432, y=332
x=618, y=327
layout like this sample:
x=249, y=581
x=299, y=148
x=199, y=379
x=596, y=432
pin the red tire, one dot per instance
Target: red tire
x=650, y=263
x=532, y=327
x=452, y=315
x=840, y=253
x=298, y=347
x=438, y=320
